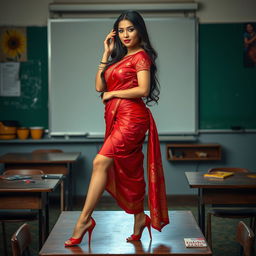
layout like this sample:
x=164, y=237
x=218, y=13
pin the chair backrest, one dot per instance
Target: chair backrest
x=21, y=241
x=38, y=151
x=23, y=172
x=228, y=169
x=245, y=237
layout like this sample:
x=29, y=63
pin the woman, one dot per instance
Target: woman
x=249, y=45
x=126, y=75
x=249, y=35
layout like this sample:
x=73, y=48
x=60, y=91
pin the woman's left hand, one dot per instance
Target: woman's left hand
x=107, y=96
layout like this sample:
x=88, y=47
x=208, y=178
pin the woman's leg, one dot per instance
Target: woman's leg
x=96, y=187
x=139, y=222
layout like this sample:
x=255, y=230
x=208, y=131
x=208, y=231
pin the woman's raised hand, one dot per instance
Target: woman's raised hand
x=109, y=42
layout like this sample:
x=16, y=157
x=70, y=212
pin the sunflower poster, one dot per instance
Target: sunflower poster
x=13, y=44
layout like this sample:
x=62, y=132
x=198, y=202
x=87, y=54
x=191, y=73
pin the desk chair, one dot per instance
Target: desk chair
x=229, y=212
x=64, y=172
x=21, y=240
x=245, y=237
x=17, y=216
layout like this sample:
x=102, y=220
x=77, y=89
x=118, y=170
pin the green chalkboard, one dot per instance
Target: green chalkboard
x=227, y=89
x=31, y=108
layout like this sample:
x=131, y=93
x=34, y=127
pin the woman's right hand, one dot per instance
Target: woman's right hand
x=109, y=42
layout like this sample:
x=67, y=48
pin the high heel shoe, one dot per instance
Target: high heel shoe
x=76, y=241
x=147, y=224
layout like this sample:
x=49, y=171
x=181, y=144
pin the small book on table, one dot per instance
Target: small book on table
x=195, y=242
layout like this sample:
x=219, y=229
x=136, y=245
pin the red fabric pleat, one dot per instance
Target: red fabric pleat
x=126, y=176
x=127, y=122
x=156, y=183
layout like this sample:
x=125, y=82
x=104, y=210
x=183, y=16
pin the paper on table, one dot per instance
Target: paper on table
x=15, y=177
x=218, y=174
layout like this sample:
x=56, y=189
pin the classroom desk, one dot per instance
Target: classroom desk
x=238, y=189
x=112, y=228
x=50, y=163
x=17, y=194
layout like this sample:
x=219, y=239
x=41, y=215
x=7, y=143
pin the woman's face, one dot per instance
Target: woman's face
x=249, y=28
x=128, y=35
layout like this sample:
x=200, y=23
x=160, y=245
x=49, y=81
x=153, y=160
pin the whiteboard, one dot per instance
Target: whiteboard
x=75, y=48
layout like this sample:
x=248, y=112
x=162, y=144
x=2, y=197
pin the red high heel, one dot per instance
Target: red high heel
x=76, y=241
x=137, y=237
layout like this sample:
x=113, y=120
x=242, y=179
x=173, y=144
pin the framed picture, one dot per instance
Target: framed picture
x=13, y=44
x=249, y=40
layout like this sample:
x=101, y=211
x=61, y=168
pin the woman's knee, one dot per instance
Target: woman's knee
x=101, y=161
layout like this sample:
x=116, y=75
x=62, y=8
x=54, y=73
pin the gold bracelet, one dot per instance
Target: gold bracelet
x=102, y=66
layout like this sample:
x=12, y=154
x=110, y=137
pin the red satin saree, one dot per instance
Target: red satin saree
x=127, y=121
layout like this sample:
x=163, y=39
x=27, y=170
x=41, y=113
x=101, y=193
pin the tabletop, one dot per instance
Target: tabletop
x=238, y=180
x=112, y=228
x=33, y=184
x=60, y=157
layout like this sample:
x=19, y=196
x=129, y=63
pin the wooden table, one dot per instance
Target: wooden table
x=238, y=189
x=18, y=194
x=50, y=163
x=112, y=228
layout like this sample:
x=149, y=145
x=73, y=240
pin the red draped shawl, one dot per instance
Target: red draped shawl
x=127, y=122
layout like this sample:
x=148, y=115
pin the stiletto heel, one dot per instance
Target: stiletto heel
x=147, y=224
x=77, y=241
x=90, y=234
x=149, y=227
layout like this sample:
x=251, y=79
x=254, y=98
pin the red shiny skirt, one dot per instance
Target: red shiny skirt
x=127, y=122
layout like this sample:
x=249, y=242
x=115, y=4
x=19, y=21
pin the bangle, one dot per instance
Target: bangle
x=103, y=62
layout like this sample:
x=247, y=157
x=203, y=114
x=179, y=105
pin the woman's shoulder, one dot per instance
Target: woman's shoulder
x=141, y=55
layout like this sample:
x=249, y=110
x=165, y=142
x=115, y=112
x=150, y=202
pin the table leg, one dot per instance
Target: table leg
x=201, y=211
x=62, y=195
x=43, y=218
x=70, y=188
x=47, y=216
x=203, y=218
x=4, y=239
x=198, y=207
x=40, y=228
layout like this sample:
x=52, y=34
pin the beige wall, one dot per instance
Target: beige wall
x=224, y=11
x=35, y=12
x=24, y=12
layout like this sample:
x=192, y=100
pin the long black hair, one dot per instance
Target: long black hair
x=120, y=51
